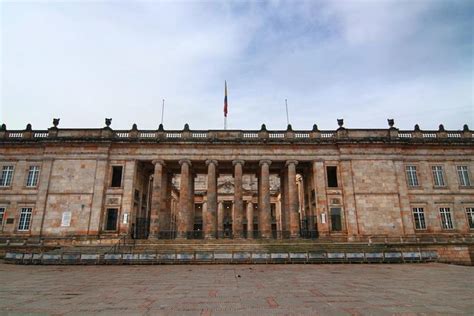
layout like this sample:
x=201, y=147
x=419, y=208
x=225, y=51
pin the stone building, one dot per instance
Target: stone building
x=344, y=184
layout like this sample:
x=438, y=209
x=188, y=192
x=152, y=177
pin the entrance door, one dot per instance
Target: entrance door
x=141, y=228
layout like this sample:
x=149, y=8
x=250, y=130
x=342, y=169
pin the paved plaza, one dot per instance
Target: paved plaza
x=238, y=289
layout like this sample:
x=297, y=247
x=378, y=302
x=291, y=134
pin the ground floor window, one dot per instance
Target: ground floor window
x=336, y=219
x=111, y=220
x=470, y=216
x=2, y=214
x=446, y=219
x=25, y=218
x=419, y=217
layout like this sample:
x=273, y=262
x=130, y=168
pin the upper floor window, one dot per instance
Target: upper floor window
x=6, y=176
x=331, y=173
x=33, y=176
x=470, y=216
x=446, y=219
x=116, y=176
x=438, y=176
x=463, y=174
x=412, y=177
x=25, y=218
x=419, y=217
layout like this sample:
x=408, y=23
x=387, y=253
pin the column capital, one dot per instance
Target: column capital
x=265, y=161
x=158, y=161
x=238, y=161
x=185, y=161
x=209, y=161
x=288, y=162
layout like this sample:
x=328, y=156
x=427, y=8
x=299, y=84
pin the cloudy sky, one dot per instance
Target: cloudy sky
x=364, y=61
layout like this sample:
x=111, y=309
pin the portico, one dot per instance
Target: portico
x=228, y=198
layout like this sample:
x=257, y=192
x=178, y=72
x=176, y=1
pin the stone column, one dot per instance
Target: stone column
x=220, y=220
x=293, y=199
x=127, y=197
x=350, y=207
x=191, y=214
x=210, y=215
x=184, y=197
x=265, y=216
x=250, y=219
x=237, y=228
x=319, y=183
x=284, y=204
x=157, y=198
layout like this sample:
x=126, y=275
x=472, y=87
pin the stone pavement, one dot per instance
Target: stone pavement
x=238, y=289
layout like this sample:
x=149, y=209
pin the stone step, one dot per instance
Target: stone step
x=223, y=257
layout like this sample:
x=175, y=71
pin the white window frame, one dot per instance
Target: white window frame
x=419, y=213
x=470, y=216
x=438, y=176
x=6, y=177
x=446, y=218
x=463, y=176
x=412, y=176
x=24, y=222
x=33, y=176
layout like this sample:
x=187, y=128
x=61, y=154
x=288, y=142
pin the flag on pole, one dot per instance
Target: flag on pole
x=225, y=100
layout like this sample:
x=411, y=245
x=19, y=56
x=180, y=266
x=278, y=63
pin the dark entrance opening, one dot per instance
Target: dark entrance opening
x=227, y=219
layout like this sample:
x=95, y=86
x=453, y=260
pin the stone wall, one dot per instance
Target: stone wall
x=372, y=188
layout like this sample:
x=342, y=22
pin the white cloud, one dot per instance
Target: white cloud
x=364, y=61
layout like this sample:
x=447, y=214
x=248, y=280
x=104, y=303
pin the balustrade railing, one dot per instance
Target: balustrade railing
x=147, y=135
x=122, y=134
x=249, y=135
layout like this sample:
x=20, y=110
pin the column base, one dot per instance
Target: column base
x=181, y=235
x=239, y=235
x=210, y=236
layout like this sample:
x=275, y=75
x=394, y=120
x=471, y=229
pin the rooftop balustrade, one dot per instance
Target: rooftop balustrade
x=263, y=135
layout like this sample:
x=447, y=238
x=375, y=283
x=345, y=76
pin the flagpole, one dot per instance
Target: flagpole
x=162, y=111
x=287, y=117
x=225, y=104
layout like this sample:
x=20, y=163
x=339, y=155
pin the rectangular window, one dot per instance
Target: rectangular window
x=2, y=214
x=412, y=178
x=7, y=176
x=25, y=218
x=33, y=175
x=111, y=220
x=336, y=219
x=66, y=219
x=438, y=176
x=470, y=216
x=116, y=176
x=331, y=173
x=419, y=217
x=463, y=174
x=446, y=219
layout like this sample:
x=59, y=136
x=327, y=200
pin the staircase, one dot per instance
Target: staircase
x=128, y=251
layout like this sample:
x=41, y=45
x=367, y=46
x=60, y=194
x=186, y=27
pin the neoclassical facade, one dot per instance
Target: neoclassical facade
x=344, y=184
